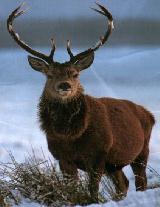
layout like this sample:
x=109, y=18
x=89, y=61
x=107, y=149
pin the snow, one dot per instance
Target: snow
x=129, y=73
x=139, y=199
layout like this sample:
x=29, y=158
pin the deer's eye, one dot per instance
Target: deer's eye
x=75, y=75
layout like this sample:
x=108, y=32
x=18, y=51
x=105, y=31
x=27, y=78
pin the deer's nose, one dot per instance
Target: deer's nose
x=65, y=86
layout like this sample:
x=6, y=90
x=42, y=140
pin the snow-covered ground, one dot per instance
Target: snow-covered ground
x=128, y=73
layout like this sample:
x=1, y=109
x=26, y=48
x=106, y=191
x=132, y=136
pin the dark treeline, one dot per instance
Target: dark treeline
x=83, y=32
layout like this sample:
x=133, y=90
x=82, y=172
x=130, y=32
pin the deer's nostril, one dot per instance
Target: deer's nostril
x=64, y=86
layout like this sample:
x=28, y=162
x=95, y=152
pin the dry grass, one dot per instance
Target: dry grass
x=39, y=181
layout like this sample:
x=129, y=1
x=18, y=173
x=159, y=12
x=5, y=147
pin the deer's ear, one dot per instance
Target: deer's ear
x=38, y=64
x=85, y=62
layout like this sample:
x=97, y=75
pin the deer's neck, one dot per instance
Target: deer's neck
x=63, y=120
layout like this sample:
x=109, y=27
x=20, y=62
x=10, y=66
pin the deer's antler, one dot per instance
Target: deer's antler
x=102, y=39
x=16, y=13
x=19, y=11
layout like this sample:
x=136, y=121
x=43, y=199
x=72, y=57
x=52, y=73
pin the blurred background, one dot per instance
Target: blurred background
x=136, y=22
x=127, y=67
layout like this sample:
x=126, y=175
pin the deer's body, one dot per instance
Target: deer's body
x=82, y=129
x=103, y=134
x=98, y=135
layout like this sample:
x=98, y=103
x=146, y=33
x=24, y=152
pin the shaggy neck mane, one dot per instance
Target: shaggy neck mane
x=66, y=120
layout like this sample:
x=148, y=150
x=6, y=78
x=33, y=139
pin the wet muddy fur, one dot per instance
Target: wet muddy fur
x=98, y=135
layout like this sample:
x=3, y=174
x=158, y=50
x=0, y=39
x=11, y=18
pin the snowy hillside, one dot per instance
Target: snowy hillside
x=128, y=73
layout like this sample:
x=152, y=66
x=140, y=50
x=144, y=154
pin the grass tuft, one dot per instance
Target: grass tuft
x=39, y=181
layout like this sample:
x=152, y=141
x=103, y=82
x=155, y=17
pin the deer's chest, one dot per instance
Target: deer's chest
x=63, y=120
x=80, y=151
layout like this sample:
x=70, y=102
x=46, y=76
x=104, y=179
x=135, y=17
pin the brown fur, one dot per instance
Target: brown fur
x=103, y=134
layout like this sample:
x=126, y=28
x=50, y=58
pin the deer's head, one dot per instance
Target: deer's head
x=62, y=78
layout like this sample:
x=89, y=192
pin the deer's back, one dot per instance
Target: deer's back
x=119, y=108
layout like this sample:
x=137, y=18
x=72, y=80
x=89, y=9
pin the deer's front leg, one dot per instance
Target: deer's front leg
x=95, y=175
x=68, y=169
x=94, y=179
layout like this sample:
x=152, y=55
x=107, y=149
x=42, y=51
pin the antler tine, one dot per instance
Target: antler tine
x=98, y=11
x=104, y=38
x=103, y=11
x=53, y=48
x=17, y=12
x=69, y=49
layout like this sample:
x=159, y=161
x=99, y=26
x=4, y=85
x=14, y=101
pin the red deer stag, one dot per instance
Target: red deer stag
x=84, y=132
